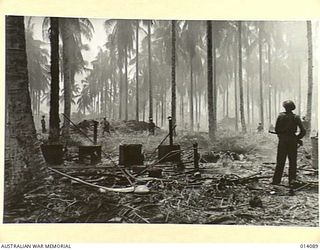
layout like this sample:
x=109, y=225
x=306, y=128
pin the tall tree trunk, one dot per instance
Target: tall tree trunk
x=275, y=101
x=215, y=85
x=236, y=92
x=260, y=76
x=54, y=128
x=182, y=110
x=227, y=101
x=126, y=83
x=210, y=81
x=150, y=71
x=270, y=83
x=299, y=94
x=191, y=96
x=173, y=71
x=67, y=57
x=137, y=70
x=310, y=78
x=120, y=92
x=24, y=161
x=243, y=123
x=248, y=86
x=199, y=107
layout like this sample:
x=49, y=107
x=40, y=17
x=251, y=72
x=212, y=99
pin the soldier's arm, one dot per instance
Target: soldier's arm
x=277, y=127
x=301, y=127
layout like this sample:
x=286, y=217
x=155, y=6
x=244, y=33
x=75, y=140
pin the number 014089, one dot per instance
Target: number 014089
x=311, y=246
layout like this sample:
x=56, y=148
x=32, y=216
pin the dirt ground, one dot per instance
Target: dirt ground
x=232, y=185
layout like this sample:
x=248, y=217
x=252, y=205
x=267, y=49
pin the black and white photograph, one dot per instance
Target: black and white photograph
x=156, y=121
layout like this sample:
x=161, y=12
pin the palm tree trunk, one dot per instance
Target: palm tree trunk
x=24, y=161
x=235, y=92
x=199, y=107
x=120, y=93
x=243, y=123
x=299, y=94
x=310, y=78
x=137, y=70
x=182, y=109
x=66, y=54
x=227, y=101
x=173, y=71
x=269, y=86
x=126, y=83
x=260, y=76
x=150, y=71
x=54, y=120
x=210, y=82
x=215, y=85
x=191, y=96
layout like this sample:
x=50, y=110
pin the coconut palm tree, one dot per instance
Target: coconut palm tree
x=122, y=32
x=38, y=66
x=23, y=154
x=173, y=71
x=260, y=39
x=191, y=38
x=71, y=31
x=243, y=123
x=54, y=127
x=210, y=81
x=310, y=78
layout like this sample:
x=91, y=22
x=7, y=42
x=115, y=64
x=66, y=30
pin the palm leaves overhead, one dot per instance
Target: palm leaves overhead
x=122, y=34
x=137, y=70
x=71, y=31
x=38, y=66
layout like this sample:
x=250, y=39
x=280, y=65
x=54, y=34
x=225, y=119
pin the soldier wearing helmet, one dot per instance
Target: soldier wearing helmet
x=286, y=128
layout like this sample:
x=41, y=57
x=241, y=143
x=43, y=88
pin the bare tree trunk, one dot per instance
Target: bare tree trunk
x=210, y=82
x=299, y=94
x=191, y=95
x=137, y=70
x=54, y=128
x=215, y=85
x=270, y=83
x=24, y=162
x=126, y=83
x=120, y=93
x=243, y=123
x=310, y=78
x=260, y=76
x=173, y=72
x=236, y=92
x=150, y=71
x=67, y=57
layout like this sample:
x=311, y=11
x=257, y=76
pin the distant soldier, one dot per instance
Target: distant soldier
x=43, y=124
x=260, y=128
x=305, y=123
x=286, y=128
x=151, y=126
x=106, y=126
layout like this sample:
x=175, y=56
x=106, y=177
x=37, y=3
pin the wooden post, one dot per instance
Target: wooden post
x=195, y=156
x=95, y=132
x=170, y=131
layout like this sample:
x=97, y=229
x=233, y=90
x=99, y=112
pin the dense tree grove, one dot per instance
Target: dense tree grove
x=156, y=68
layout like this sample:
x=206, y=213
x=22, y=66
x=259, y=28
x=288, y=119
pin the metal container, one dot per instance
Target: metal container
x=53, y=154
x=130, y=154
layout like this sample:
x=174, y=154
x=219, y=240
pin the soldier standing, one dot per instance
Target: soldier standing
x=152, y=126
x=260, y=128
x=286, y=128
x=106, y=126
x=43, y=125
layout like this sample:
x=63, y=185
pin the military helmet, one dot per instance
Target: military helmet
x=289, y=105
